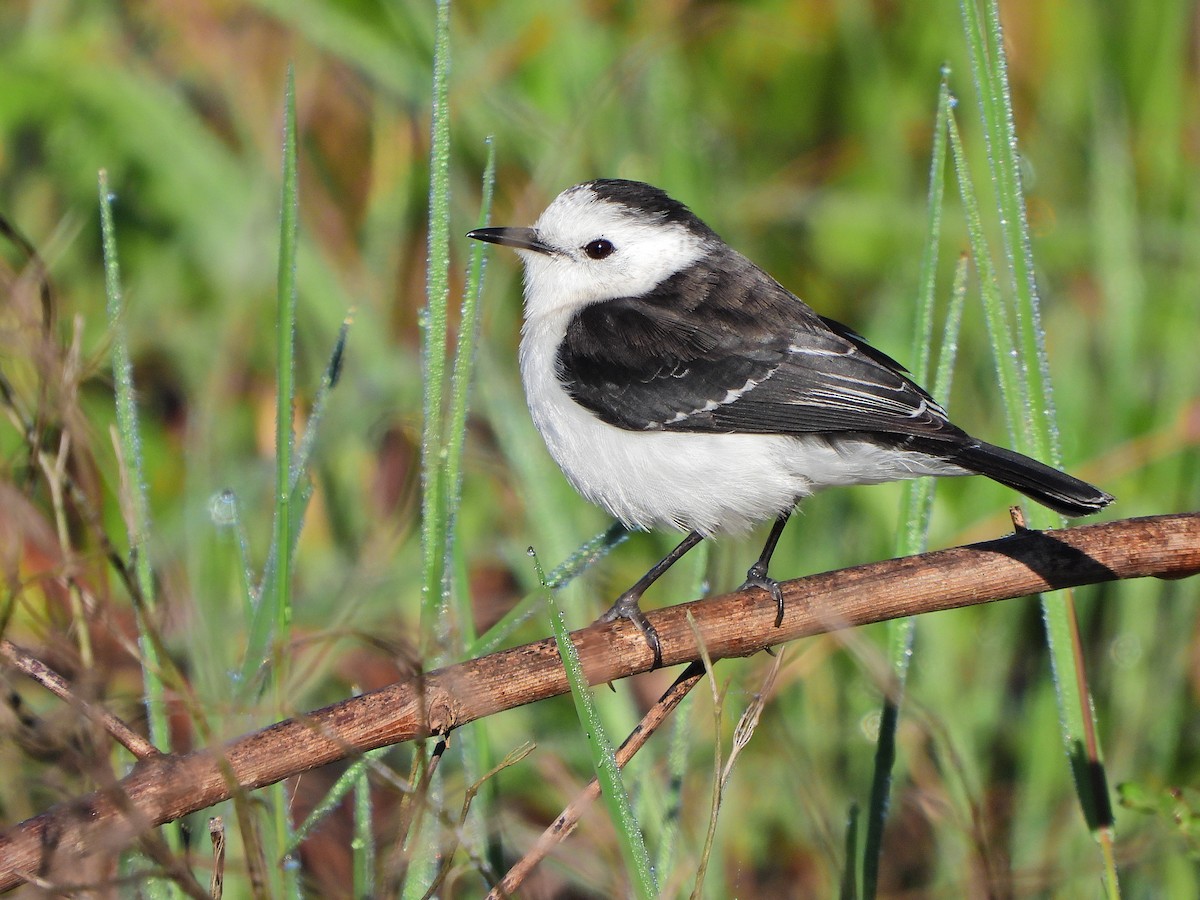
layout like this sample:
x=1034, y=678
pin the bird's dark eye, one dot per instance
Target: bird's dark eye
x=599, y=248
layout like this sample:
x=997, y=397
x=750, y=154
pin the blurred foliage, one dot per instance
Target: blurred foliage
x=801, y=131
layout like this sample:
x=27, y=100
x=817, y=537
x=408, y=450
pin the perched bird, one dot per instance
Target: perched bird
x=677, y=384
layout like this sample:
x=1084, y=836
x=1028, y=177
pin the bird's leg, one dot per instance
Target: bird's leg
x=757, y=574
x=627, y=605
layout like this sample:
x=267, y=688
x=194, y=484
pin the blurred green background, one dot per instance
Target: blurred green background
x=801, y=131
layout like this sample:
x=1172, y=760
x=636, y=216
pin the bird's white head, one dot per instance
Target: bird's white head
x=602, y=240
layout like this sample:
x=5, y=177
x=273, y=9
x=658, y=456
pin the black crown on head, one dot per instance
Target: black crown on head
x=649, y=201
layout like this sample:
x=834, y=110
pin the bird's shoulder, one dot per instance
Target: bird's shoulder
x=721, y=305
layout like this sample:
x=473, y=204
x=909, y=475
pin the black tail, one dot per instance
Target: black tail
x=1049, y=487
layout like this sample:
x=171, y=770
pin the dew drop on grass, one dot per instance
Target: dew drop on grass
x=223, y=508
x=1126, y=650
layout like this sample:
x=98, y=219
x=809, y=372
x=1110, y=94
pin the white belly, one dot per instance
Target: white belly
x=695, y=482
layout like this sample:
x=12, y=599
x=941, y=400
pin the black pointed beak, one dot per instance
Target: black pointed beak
x=517, y=238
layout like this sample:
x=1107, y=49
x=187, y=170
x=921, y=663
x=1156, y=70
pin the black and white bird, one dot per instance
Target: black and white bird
x=677, y=384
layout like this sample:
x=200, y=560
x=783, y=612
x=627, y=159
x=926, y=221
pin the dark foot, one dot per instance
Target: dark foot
x=757, y=577
x=627, y=607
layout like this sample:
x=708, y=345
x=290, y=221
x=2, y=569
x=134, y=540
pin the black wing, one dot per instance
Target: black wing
x=722, y=348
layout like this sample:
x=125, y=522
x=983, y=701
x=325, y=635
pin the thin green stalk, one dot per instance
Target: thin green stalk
x=604, y=761
x=464, y=364
x=848, y=889
x=682, y=740
x=917, y=506
x=131, y=459
x=272, y=614
x=285, y=335
x=435, y=511
x=138, y=508
x=989, y=68
x=362, y=845
x=917, y=496
x=670, y=795
x=329, y=380
x=473, y=745
x=944, y=376
x=1034, y=423
x=1009, y=374
x=344, y=785
x=277, y=599
x=434, y=514
x=226, y=515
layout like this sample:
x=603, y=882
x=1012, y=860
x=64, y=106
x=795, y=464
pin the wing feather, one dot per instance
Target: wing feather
x=723, y=348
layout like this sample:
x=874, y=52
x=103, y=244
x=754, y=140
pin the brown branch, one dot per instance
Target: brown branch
x=164, y=788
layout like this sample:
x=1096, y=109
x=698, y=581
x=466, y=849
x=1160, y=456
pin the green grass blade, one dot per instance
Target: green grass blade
x=990, y=71
x=1009, y=374
x=474, y=745
x=285, y=335
x=226, y=515
x=273, y=610
x=1033, y=420
x=918, y=494
x=276, y=600
x=916, y=504
x=604, y=761
x=137, y=507
x=848, y=890
x=345, y=784
x=464, y=364
x=329, y=380
x=362, y=846
x=435, y=493
x=671, y=828
x=133, y=476
x=434, y=512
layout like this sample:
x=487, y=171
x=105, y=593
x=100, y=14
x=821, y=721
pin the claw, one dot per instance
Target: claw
x=627, y=607
x=760, y=580
x=757, y=575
